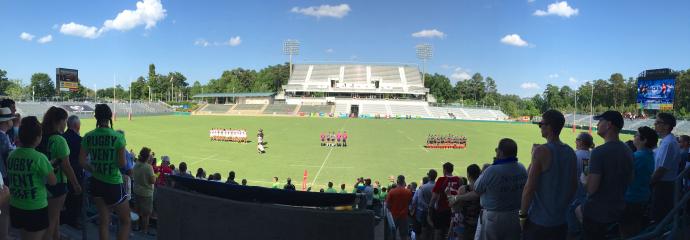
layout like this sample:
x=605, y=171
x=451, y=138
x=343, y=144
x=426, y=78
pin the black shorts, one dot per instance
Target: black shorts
x=112, y=194
x=56, y=190
x=29, y=220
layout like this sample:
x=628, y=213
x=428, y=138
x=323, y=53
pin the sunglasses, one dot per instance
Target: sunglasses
x=541, y=124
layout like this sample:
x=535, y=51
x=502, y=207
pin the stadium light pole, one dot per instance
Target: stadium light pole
x=424, y=52
x=290, y=48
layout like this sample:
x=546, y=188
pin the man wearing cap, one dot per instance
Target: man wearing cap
x=666, y=163
x=610, y=173
x=6, y=146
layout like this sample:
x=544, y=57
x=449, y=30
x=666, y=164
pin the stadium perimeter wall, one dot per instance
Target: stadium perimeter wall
x=188, y=215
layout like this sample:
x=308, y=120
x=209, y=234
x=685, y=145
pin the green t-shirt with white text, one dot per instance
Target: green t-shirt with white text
x=103, y=144
x=27, y=170
x=57, y=148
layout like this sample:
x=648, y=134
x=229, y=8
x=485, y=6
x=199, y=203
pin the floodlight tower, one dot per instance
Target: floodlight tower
x=290, y=48
x=424, y=52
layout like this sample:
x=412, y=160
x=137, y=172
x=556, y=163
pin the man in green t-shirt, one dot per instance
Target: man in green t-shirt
x=330, y=188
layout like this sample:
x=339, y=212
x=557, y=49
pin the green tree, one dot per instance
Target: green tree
x=617, y=90
x=271, y=78
x=42, y=85
x=140, y=89
x=439, y=86
x=4, y=82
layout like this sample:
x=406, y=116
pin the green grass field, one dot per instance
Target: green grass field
x=378, y=148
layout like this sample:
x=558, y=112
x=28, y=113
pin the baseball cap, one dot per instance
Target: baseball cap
x=614, y=117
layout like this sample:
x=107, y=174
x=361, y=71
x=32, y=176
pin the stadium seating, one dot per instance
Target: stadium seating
x=388, y=74
x=321, y=73
x=248, y=107
x=374, y=109
x=341, y=108
x=299, y=73
x=355, y=74
x=216, y=108
x=413, y=76
x=315, y=108
x=120, y=109
x=284, y=109
x=403, y=79
x=412, y=110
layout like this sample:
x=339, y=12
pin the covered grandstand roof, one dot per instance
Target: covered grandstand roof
x=249, y=94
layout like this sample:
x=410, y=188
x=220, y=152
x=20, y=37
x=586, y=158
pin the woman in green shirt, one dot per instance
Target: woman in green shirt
x=55, y=147
x=106, y=149
x=28, y=170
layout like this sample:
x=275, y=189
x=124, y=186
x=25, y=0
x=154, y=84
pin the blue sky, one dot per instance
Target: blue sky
x=522, y=44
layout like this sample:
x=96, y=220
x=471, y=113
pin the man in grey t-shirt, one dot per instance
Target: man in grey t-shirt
x=500, y=190
x=610, y=173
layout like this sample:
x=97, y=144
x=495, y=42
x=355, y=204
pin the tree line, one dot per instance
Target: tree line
x=617, y=92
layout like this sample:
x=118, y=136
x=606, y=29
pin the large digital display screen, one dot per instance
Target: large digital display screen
x=67, y=80
x=656, y=94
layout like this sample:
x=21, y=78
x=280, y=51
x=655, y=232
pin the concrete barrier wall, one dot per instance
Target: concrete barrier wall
x=188, y=215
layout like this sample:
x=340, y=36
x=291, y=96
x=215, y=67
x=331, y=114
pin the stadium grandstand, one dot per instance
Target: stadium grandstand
x=347, y=90
x=85, y=109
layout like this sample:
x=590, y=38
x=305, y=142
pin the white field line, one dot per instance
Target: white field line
x=324, y=161
x=203, y=159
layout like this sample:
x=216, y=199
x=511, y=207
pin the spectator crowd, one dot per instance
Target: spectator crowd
x=564, y=193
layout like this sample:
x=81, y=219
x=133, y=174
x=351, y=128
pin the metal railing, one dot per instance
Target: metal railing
x=678, y=214
x=389, y=229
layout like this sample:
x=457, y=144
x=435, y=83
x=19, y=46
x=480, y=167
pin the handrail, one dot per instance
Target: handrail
x=389, y=224
x=658, y=230
x=673, y=214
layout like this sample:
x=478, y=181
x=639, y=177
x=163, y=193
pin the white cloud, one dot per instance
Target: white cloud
x=234, y=41
x=429, y=33
x=201, y=42
x=26, y=36
x=460, y=74
x=554, y=75
x=572, y=80
x=529, y=85
x=515, y=40
x=335, y=11
x=330, y=50
x=45, y=39
x=79, y=30
x=561, y=9
x=147, y=13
